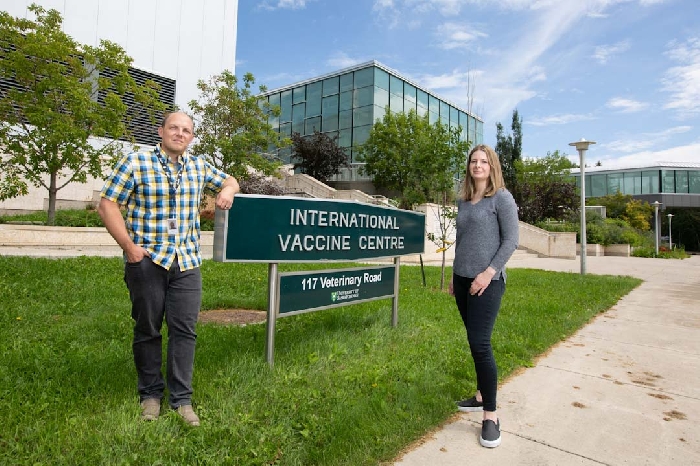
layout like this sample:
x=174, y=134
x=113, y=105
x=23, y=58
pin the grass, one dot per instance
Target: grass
x=346, y=388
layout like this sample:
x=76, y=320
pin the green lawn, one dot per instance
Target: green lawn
x=346, y=388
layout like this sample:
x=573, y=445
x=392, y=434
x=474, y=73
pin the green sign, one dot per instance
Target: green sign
x=290, y=229
x=307, y=291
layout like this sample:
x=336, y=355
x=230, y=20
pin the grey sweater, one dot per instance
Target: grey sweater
x=487, y=235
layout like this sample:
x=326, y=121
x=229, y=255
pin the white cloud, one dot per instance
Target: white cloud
x=683, y=154
x=285, y=4
x=561, y=119
x=645, y=141
x=342, y=60
x=626, y=105
x=683, y=81
x=603, y=53
x=454, y=35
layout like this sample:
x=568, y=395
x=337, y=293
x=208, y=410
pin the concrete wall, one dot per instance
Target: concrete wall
x=546, y=243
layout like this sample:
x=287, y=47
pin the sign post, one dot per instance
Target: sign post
x=276, y=229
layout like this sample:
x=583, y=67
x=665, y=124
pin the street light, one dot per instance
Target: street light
x=582, y=147
x=670, y=242
x=657, y=204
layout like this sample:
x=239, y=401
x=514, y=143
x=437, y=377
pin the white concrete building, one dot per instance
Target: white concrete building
x=178, y=40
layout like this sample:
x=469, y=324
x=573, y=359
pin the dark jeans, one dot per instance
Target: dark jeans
x=155, y=293
x=479, y=316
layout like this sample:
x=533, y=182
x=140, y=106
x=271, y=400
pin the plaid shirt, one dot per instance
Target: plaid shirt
x=141, y=182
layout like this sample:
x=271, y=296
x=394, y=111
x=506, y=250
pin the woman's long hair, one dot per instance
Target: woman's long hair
x=495, y=183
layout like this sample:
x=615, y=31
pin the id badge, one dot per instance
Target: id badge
x=172, y=226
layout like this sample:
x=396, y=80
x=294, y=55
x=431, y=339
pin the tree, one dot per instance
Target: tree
x=319, y=155
x=509, y=149
x=63, y=119
x=406, y=154
x=231, y=125
x=544, y=188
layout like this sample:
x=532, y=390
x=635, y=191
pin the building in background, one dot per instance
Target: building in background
x=673, y=184
x=174, y=42
x=347, y=102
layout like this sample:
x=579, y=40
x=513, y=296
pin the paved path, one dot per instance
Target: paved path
x=624, y=390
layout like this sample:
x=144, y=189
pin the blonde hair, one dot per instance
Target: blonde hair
x=468, y=189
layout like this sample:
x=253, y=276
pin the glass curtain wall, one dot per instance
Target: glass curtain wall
x=348, y=104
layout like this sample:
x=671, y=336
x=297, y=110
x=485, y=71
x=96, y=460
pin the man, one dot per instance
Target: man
x=162, y=190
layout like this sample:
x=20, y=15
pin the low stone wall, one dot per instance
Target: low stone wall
x=598, y=250
x=548, y=243
x=81, y=237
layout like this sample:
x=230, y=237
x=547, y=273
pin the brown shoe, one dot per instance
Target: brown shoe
x=150, y=409
x=188, y=415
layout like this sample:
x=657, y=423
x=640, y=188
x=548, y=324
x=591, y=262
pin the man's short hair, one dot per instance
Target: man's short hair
x=166, y=115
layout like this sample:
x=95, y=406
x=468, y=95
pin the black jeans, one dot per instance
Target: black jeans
x=156, y=293
x=479, y=316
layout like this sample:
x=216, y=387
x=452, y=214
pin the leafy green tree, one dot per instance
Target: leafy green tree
x=636, y=212
x=406, y=154
x=319, y=155
x=231, y=126
x=509, y=149
x=544, y=188
x=50, y=120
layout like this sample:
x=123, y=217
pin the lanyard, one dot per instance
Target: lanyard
x=173, y=185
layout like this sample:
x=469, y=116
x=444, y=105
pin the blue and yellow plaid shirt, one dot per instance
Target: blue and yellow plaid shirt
x=141, y=182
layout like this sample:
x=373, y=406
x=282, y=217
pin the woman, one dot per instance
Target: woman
x=487, y=235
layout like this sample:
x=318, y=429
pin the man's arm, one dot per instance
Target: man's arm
x=224, y=200
x=114, y=222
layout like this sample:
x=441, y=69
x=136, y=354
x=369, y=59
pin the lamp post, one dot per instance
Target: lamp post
x=657, y=204
x=670, y=241
x=582, y=147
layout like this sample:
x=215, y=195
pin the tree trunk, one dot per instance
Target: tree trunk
x=52, y=200
x=442, y=272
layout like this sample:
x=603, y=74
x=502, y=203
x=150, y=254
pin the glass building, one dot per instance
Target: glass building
x=671, y=183
x=347, y=102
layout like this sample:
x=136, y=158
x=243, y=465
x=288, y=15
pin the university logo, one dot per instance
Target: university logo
x=334, y=296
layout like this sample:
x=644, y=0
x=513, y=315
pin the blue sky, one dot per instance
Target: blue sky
x=623, y=73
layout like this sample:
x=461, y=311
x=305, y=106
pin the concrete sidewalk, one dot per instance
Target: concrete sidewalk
x=625, y=389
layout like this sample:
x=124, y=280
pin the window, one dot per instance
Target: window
x=286, y=106
x=330, y=113
x=298, y=114
x=433, y=105
x=364, y=78
x=363, y=97
x=409, y=93
x=346, y=100
x=345, y=119
x=614, y=183
x=313, y=99
x=312, y=124
x=632, y=183
x=381, y=97
x=396, y=86
x=299, y=94
x=330, y=86
x=650, y=182
x=363, y=116
x=395, y=103
x=346, y=82
x=681, y=181
x=668, y=179
x=694, y=182
x=598, y=185
x=381, y=79
x=273, y=120
x=422, y=98
x=360, y=135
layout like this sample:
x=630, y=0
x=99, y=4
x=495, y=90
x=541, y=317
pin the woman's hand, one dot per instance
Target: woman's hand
x=481, y=282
